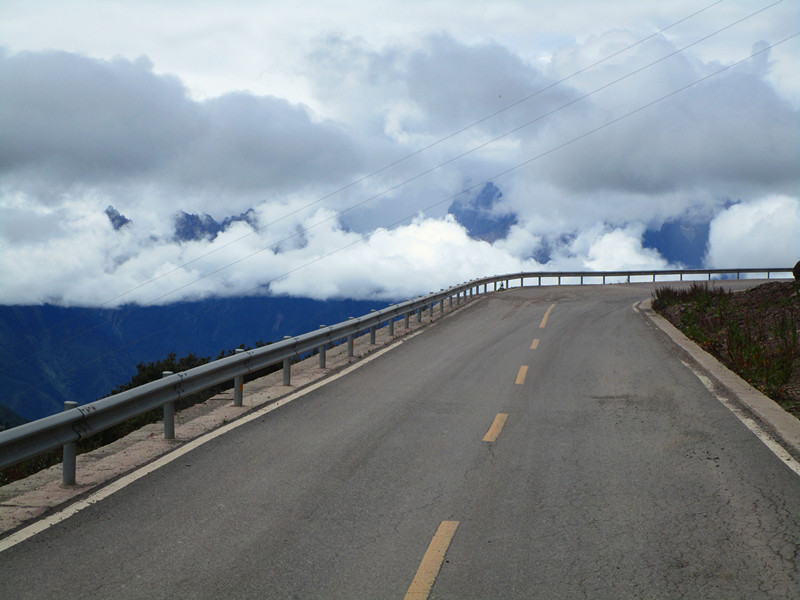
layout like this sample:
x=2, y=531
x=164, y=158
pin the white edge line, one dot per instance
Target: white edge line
x=124, y=481
x=751, y=424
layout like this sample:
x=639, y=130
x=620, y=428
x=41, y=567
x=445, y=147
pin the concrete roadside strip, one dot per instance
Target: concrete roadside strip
x=36, y=502
x=734, y=391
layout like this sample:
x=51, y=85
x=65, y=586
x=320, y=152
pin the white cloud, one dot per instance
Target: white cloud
x=151, y=129
x=761, y=233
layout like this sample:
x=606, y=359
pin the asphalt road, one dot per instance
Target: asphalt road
x=616, y=474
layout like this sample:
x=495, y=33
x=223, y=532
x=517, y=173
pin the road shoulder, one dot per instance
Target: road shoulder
x=778, y=423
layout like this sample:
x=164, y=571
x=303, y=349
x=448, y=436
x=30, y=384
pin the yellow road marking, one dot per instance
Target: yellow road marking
x=535, y=344
x=523, y=373
x=431, y=563
x=496, y=428
x=543, y=324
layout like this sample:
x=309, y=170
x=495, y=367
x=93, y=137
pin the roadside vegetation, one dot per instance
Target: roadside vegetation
x=753, y=332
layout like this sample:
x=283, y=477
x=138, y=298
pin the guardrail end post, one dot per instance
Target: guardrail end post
x=70, y=453
x=169, y=414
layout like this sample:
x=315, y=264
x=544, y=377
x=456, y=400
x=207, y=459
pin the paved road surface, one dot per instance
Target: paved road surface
x=615, y=475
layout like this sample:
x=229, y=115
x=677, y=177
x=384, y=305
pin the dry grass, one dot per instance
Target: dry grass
x=754, y=333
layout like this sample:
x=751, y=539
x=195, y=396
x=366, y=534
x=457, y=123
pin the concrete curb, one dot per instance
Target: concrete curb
x=782, y=426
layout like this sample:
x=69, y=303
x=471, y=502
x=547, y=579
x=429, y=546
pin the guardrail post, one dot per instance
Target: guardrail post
x=521, y=281
x=70, y=452
x=391, y=327
x=441, y=306
x=169, y=414
x=419, y=315
x=373, y=330
x=238, y=385
x=539, y=283
x=451, y=301
x=581, y=279
x=407, y=318
x=287, y=368
x=322, y=351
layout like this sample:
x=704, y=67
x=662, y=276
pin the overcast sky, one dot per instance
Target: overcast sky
x=301, y=111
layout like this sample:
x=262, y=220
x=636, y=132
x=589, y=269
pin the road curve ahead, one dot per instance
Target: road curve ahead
x=545, y=443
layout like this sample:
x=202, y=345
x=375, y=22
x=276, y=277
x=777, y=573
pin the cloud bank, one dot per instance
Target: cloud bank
x=82, y=134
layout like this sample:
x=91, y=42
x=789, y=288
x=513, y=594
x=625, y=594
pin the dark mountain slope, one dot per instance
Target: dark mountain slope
x=51, y=354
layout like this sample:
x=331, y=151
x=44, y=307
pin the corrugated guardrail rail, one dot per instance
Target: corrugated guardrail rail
x=66, y=428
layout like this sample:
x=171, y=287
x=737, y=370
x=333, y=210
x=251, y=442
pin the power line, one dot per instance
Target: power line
x=535, y=158
x=462, y=155
x=417, y=152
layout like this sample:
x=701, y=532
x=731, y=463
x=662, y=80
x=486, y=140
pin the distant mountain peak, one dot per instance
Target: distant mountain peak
x=476, y=213
x=192, y=227
x=117, y=219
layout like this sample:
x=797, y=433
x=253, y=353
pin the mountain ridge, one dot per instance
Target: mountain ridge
x=52, y=354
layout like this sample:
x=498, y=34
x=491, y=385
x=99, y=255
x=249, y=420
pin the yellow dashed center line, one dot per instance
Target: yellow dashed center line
x=543, y=324
x=535, y=344
x=496, y=428
x=523, y=373
x=431, y=563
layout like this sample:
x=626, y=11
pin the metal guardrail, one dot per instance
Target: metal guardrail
x=66, y=428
